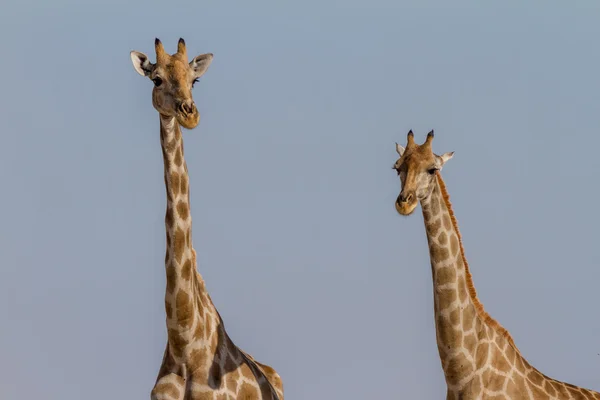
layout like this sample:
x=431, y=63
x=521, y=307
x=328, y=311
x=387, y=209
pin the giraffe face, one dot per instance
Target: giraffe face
x=173, y=79
x=417, y=168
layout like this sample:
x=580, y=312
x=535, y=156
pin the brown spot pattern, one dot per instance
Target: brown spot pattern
x=439, y=253
x=168, y=388
x=447, y=336
x=169, y=223
x=481, y=354
x=434, y=227
x=168, y=309
x=495, y=382
x=177, y=342
x=501, y=363
x=174, y=183
x=445, y=275
x=560, y=388
x=475, y=385
x=468, y=322
x=499, y=341
x=462, y=292
x=455, y=317
x=469, y=342
x=458, y=366
x=535, y=377
x=454, y=244
x=447, y=223
x=538, y=393
x=248, y=392
x=443, y=238
x=186, y=270
x=447, y=296
x=198, y=358
x=183, y=308
x=550, y=389
x=203, y=396
x=183, y=210
x=231, y=383
x=435, y=206
x=184, y=184
x=179, y=244
x=171, y=278
x=512, y=390
x=178, y=157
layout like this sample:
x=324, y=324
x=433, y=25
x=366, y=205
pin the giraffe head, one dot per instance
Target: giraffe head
x=417, y=167
x=173, y=79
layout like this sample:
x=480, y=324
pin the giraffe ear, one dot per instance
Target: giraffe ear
x=141, y=63
x=399, y=149
x=200, y=64
x=445, y=157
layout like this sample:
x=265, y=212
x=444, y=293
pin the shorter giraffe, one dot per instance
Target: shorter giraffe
x=200, y=361
x=479, y=357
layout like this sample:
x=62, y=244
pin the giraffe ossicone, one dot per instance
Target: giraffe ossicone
x=479, y=357
x=200, y=360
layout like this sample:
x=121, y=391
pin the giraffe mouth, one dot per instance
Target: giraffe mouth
x=188, y=120
x=405, y=208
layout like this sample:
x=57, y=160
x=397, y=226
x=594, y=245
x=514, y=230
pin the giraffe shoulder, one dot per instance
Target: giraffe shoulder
x=272, y=377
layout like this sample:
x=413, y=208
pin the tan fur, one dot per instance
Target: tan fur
x=485, y=317
x=479, y=357
x=200, y=360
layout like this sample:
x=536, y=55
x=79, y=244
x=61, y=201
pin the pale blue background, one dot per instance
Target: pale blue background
x=292, y=188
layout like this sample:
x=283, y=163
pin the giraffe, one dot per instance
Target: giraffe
x=200, y=361
x=479, y=357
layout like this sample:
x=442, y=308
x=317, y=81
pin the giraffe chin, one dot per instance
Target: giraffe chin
x=405, y=208
x=188, y=121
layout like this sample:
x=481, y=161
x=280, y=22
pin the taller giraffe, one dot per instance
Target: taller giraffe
x=200, y=360
x=479, y=357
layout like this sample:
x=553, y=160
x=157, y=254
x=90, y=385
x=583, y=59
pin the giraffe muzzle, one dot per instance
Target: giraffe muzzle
x=186, y=108
x=405, y=198
x=406, y=203
x=187, y=114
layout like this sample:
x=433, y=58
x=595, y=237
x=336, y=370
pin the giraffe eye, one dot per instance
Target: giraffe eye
x=194, y=82
x=431, y=171
x=157, y=81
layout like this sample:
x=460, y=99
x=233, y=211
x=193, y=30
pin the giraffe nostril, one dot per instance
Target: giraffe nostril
x=405, y=198
x=186, y=107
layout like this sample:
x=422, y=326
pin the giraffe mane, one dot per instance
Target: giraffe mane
x=485, y=317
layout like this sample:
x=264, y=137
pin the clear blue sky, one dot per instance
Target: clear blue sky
x=303, y=253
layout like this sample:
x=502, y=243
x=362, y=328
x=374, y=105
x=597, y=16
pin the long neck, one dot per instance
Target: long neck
x=475, y=350
x=180, y=260
x=463, y=328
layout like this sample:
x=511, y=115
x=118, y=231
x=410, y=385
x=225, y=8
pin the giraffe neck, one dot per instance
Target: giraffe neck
x=198, y=347
x=479, y=357
x=462, y=325
x=183, y=283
